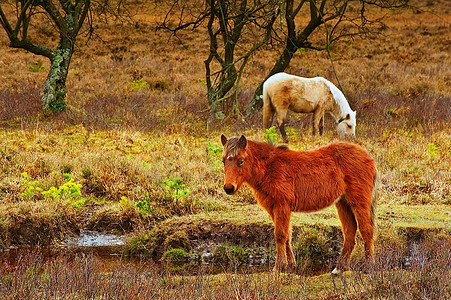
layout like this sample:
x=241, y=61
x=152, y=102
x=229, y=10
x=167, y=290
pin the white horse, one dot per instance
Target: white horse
x=317, y=95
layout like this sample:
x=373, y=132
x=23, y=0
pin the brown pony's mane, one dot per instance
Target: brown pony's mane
x=262, y=150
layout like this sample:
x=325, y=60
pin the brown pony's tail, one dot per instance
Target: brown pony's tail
x=374, y=196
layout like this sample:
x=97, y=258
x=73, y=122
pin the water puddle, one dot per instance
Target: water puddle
x=101, y=245
x=95, y=239
x=107, y=250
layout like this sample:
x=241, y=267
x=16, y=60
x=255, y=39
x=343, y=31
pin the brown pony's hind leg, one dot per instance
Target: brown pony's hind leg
x=281, y=217
x=321, y=125
x=366, y=228
x=349, y=228
x=283, y=133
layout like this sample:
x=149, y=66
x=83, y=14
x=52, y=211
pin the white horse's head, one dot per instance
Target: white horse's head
x=346, y=126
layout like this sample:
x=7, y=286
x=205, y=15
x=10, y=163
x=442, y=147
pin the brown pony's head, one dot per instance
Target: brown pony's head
x=234, y=159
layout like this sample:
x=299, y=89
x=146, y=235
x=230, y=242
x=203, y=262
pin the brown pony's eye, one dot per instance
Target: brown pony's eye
x=240, y=162
x=350, y=126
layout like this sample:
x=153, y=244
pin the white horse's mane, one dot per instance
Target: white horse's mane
x=339, y=97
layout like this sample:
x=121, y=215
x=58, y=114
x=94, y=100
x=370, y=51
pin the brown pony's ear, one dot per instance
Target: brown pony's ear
x=242, y=142
x=223, y=139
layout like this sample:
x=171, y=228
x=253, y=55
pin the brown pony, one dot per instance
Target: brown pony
x=284, y=180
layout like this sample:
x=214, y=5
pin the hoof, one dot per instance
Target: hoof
x=288, y=268
x=280, y=268
x=336, y=272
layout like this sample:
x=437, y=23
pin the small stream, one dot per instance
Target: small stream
x=102, y=245
x=107, y=249
x=91, y=239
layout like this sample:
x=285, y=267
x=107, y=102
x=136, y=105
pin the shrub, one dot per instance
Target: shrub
x=271, y=135
x=144, y=206
x=36, y=67
x=139, y=84
x=67, y=191
x=177, y=187
x=175, y=258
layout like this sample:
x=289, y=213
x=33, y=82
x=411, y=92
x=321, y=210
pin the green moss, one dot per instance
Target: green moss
x=175, y=259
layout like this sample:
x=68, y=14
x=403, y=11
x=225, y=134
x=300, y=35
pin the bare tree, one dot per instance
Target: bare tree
x=67, y=18
x=336, y=20
x=226, y=20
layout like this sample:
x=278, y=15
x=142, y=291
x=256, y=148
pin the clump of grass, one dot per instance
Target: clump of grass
x=175, y=259
x=314, y=248
x=20, y=106
x=226, y=255
x=271, y=135
x=178, y=239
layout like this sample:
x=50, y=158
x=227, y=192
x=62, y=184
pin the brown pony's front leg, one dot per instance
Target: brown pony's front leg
x=281, y=220
x=290, y=256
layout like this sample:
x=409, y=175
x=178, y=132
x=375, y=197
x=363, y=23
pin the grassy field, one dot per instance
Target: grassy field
x=136, y=154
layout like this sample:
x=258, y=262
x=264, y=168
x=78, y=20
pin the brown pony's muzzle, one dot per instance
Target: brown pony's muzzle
x=230, y=190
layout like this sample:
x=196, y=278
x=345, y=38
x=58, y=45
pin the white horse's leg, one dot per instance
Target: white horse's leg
x=317, y=118
x=321, y=125
x=281, y=117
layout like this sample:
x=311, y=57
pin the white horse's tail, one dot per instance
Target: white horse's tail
x=268, y=109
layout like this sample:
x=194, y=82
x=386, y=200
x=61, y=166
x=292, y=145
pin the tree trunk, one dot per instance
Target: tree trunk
x=67, y=18
x=282, y=63
x=228, y=77
x=54, y=95
x=218, y=92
